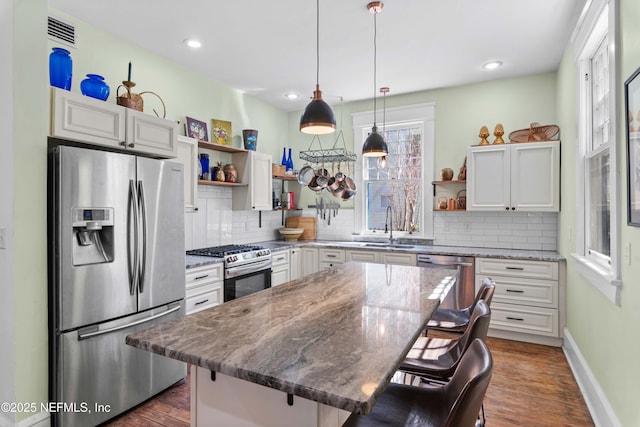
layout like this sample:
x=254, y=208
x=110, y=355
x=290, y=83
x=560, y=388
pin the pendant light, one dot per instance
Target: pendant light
x=318, y=117
x=374, y=145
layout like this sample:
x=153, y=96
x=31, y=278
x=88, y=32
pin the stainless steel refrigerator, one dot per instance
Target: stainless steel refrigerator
x=117, y=256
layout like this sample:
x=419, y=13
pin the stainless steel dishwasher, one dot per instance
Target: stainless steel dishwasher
x=463, y=292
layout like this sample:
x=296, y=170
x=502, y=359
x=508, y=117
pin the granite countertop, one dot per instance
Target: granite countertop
x=280, y=245
x=335, y=337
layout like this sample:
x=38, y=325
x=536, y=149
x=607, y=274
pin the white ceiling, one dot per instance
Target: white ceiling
x=268, y=48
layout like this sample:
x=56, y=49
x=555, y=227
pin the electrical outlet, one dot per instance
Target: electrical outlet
x=626, y=253
x=3, y=237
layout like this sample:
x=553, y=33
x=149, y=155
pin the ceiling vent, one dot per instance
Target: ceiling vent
x=61, y=32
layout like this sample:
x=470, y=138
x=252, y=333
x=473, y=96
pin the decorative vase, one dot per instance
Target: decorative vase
x=220, y=174
x=250, y=137
x=60, y=68
x=230, y=173
x=283, y=162
x=289, y=162
x=95, y=87
x=204, y=162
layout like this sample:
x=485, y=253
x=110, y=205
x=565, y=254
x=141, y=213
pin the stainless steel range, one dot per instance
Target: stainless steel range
x=247, y=268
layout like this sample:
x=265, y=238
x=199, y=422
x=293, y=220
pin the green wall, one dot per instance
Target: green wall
x=184, y=92
x=460, y=112
x=605, y=334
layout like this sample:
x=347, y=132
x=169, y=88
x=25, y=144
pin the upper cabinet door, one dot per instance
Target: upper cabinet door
x=535, y=177
x=80, y=118
x=514, y=177
x=261, y=183
x=488, y=187
x=188, y=156
x=152, y=135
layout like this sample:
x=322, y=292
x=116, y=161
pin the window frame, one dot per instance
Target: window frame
x=590, y=31
x=362, y=123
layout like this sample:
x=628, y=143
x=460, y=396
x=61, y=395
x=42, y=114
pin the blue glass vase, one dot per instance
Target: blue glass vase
x=60, y=68
x=95, y=87
x=289, y=161
x=283, y=162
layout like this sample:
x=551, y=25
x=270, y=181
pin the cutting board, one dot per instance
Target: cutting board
x=306, y=222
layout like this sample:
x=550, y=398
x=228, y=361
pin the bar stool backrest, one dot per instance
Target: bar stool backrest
x=468, y=386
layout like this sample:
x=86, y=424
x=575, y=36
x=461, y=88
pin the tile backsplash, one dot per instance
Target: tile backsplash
x=215, y=223
x=511, y=230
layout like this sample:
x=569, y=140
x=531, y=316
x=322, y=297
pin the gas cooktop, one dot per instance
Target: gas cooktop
x=222, y=251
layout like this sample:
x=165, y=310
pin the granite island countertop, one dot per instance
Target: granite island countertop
x=334, y=337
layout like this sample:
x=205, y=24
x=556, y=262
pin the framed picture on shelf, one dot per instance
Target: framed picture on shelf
x=221, y=132
x=196, y=129
x=632, y=115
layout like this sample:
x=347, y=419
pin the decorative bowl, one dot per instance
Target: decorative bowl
x=291, y=234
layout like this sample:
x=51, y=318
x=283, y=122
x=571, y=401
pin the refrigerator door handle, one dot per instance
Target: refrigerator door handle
x=143, y=224
x=132, y=258
x=128, y=325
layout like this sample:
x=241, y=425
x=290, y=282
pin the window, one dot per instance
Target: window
x=597, y=243
x=400, y=180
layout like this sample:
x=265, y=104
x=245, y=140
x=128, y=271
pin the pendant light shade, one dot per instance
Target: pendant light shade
x=318, y=117
x=374, y=145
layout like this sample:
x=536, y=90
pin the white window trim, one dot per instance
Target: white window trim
x=607, y=279
x=412, y=113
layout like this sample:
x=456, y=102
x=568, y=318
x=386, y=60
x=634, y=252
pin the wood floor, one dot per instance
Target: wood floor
x=532, y=385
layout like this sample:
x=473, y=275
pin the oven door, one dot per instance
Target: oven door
x=246, y=279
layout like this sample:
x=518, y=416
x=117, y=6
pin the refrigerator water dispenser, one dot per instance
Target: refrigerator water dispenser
x=92, y=235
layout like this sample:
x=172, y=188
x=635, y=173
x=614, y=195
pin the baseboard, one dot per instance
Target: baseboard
x=599, y=407
x=41, y=419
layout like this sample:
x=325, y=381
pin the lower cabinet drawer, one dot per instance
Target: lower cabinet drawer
x=201, y=275
x=523, y=291
x=202, y=297
x=520, y=318
x=324, y=265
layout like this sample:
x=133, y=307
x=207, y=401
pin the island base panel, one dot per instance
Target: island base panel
x=230, y=401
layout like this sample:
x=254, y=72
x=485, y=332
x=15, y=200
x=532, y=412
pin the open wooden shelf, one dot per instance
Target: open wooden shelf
x=451, y=181
x=221, y=183
x=285, y=177
x=219, y=147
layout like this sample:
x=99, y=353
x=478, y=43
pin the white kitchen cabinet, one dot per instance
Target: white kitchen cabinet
x=514, y=177
x=398, y=258
x=253, y=168
x=204, y=287
x=188, y=156
x=81, y=118
x=362, y=256
x=309, y=261
x=294, y=263
x=330, y=257
x=529, y=299
x=381, y=257
x=280, y=271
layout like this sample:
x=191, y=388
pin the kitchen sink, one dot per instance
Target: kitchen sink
x=388, y=245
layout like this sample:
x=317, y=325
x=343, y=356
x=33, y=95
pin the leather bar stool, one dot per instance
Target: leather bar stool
x=456, y=321
x=438, y=357
x=454, y=404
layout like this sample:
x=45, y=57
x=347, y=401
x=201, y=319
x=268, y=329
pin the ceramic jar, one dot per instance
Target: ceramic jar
x=95, y=87
x=60, y=68
x=230, y=173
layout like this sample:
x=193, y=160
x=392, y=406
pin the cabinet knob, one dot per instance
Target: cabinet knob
x=507, y=208
x=513, y=209
x=131, y=145
x=123, y=143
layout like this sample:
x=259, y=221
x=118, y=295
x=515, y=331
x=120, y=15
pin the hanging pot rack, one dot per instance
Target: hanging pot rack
x=334, y=154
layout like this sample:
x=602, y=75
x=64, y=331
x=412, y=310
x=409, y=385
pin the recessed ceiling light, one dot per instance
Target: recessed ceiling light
x=492, y=65
x=291, y=95
x=193, y=43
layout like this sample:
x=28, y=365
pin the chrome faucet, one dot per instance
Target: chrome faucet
x=388, y=223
